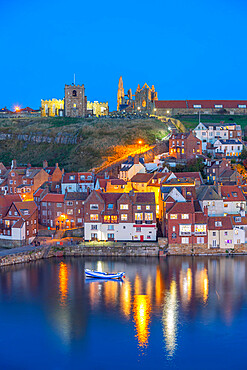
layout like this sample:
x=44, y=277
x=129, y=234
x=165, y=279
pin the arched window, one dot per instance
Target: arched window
x=74, y=93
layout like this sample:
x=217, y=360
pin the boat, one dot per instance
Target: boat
x=89, y=280
x=104, y=275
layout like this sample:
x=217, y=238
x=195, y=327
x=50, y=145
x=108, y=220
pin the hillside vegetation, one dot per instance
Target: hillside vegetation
x=95, y=139
x=191, y=121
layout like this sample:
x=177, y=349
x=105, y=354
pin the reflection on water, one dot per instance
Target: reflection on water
x=63, y=283
x=141, y=311
x=154, y=303
x=170, y=319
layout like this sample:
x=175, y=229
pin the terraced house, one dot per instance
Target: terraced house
x=120, y=216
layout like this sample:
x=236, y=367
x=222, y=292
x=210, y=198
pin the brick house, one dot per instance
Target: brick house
x=55, y=174
x=120, y=216
x=215, y=168
x=74, y=209
x=186, y=224
x=184, y=146
x=20, y=225
x=51, y=212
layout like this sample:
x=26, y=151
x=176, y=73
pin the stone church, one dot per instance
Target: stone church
x=142, y=101
x=75, y=101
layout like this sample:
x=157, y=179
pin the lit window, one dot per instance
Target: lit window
x=139, y=208
x=185, y=216
x=148, y=216
x=185, y=240
x=124, y=206
x=94, y=217
x=147, y=207
x=107, y=219
x=114, y=219
x=138, y=216
x=70, y=211
x=173, y=217
x=124, y=217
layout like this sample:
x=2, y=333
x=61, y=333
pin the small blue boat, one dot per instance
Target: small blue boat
x=104, y=275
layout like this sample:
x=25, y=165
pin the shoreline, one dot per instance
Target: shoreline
x=16, y=255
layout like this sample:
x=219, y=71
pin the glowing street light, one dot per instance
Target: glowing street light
x=140, y=142
x=17, y=109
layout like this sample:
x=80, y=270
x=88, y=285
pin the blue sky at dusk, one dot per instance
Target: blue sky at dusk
x=186, y=49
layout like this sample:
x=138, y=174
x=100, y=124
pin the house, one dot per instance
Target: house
x=51, y=213
x=230, y=177
x=140, y=181
x=196, y=176
x=74, y=209
x=55, y=174
x=77, y=182
x=209, y=197
x=228, y=148
x=184, y=146
x=209, y=133
x=120, y=216
x=131, y=167
x=20, y=225
x=220, y=232
x=215, y=168
x=233, y=199
x=240, y=229
x=117, y=186
x=186, y=225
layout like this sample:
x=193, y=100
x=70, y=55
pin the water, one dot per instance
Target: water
x=174, y=313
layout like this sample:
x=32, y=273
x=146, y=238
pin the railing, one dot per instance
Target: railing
x=138, y=222
x=183, y=233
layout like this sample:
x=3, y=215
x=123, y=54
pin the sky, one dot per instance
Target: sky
x=186, y=49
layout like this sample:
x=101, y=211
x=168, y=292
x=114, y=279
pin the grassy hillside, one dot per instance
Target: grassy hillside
x=96, y=139
x=191, y=121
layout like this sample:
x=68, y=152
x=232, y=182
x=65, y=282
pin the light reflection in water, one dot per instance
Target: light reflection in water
x=185, y=284
x=149, y=286
x=170, y=319
x=205, y=285
x=63, y=283
x=125, y=298
x=159, y=286
x=201, y=279
x=111, y=292
x=142, y=312
x=137, y=285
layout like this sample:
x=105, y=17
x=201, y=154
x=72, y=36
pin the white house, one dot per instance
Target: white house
x=230, y=148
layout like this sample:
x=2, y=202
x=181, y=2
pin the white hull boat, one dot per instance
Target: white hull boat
x=103, y=275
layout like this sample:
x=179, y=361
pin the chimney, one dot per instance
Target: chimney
x=63, y=171
x=45, y=164
x=56, y=165
x=205, y=211
x=13, y=165
x=136, y=159
x=184, y=191
x=88, y=191
x=219, y=188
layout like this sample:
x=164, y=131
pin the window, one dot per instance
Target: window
x=34, y=231
x=200, y=229
x=173, y=217
x=237, y=219
x=94, y=206
x=82, y=177
x=110, y=206
x=72, y=177
x=185, y=240
x=107, y=219
x=200, y=240
x=110, y=227
x=139, y=208
x=184, y=229
x=197, y=106
x=124, y=217
x=94, y=236
x=218, y=223
x=148, y=216
x=114, y=219
x=147, y=207
x=59, y=214
x=74, y=93
x=12, y=174
x=94, y=217
x=242, y=106
x=225, y=233
x=138, y=229
x=185, y=216
x=214, y=233
x=70, y=211
x=138, y=218
x=69, y=203
x=11, y=182
x=79, y=220
x=10, y=213
x=217, y=106
x=110, y=236
x=124, y=206
x=94, y=227
x=59, y=205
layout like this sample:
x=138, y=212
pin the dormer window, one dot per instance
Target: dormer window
x=218, y=223
x=82, y=177
x=72, y=177
x=110, y=206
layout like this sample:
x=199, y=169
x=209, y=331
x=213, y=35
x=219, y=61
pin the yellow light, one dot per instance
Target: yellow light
x=17, y=109
x=142, y=310
x=63, y=283
x=140, y=142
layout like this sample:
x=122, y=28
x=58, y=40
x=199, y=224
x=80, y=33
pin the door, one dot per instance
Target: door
x=214, y=243
x=141, y=238
x=51, y=223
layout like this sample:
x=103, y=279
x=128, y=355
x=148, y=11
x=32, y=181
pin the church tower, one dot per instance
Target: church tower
x=75, y=101
x=120, y=93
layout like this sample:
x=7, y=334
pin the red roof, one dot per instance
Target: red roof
x=189, y=104
x=38, y=192
x=57, y=198
x=232, y=193
x=193, y=175
x=226, y=223
x=182, y=207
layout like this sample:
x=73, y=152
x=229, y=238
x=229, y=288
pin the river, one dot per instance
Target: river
x=170, y=313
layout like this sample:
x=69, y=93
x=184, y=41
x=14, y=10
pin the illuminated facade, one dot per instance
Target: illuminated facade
x=52, y=108
x=97, y=109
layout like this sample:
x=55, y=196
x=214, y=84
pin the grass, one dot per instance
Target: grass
x=97, y=139
x=191, y=121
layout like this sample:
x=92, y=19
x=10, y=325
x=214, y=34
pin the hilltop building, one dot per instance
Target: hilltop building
x=97, y=109
x=52, y=108
x=143, y=102
x=75, y=101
